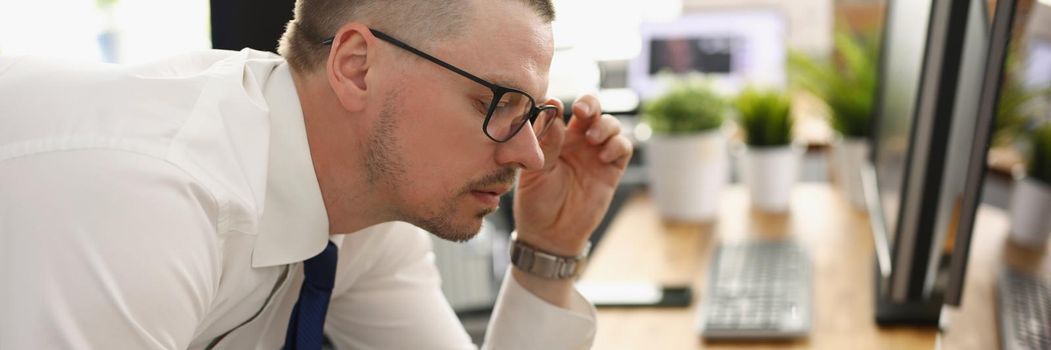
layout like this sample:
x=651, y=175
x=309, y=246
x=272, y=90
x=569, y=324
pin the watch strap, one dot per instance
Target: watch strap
x=543, y=264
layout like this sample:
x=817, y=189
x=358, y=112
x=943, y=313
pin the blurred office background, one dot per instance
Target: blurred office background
x=599, y=44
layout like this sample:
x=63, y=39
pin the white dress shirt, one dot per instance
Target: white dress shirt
x=170, y=205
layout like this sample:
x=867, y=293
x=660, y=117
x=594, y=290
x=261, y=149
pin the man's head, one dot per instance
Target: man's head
x=425, y=23
x=397, y=137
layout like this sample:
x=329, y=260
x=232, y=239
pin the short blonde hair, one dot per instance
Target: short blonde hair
x=417, y=21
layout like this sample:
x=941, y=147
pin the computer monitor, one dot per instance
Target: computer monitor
x=938, y=82
x=988, y=103
x=730, y=48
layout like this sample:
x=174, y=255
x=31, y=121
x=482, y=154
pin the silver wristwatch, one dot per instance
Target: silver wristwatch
x=546, y=265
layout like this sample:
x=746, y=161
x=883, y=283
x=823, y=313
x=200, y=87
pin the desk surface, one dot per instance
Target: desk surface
x=640, y=246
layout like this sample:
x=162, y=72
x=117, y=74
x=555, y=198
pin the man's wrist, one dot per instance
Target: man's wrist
x=556, y=292
x=559, y=247
x=540, y=262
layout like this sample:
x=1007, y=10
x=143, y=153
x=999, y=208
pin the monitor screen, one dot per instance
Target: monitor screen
x=930, y=78
x=905, y=40
x=962, y=139
x=730, y=48
x=708, y=55
x=988, y=78
x=935, y=111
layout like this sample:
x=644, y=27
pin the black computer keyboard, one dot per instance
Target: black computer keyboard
x=1024, y=310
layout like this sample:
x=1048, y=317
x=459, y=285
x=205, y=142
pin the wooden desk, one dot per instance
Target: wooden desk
x=640, y=246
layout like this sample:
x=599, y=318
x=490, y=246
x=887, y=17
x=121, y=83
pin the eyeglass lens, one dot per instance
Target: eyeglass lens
x=511, y=112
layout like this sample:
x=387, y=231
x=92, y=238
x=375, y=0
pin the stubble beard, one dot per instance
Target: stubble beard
x=385, y=172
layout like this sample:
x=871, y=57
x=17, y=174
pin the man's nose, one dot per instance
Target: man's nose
x=522, y=150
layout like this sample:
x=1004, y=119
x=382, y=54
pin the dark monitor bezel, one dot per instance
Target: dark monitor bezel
x=928, y=140
x=989, y=100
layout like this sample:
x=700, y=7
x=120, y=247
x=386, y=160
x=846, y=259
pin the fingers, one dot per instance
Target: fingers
x=552, y=140
x=599, y=130
x=557, y=103
x=555, y=133
x=607, y=126
x=616, y=151
x=605, y=132
x=586, y=110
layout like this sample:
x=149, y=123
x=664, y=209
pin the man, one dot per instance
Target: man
x=232, y=200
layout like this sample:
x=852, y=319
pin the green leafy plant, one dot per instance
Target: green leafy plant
x=688, y=108
x=1015, y=109
x=847, y=83
x=1040, y=156
x=765, y=116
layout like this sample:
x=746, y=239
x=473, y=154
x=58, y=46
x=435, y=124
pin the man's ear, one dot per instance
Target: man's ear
x=348, y=64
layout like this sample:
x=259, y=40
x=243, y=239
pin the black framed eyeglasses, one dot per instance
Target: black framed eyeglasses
x=506, y=113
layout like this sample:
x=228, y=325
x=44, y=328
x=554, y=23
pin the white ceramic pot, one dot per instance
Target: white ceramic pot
x=688, y=174
x=769, y=173
x=848, y=157
x=1031, y=213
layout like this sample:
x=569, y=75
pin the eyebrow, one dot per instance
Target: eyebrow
x=508, y=82
x=502, y=80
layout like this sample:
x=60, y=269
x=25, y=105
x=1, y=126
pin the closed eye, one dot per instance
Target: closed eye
x=482, y=105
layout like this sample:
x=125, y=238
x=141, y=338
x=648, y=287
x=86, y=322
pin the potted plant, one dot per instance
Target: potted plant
x=770, y=162
x=1031, y=200
x=687, y=154
x=847, y=84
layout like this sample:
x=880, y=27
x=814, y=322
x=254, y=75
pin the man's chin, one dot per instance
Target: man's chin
x=462, y=231
x=457, y=235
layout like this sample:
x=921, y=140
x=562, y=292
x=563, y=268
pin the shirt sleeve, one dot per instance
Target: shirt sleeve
x=102, y=249
x=522, y=320
x=389, y=296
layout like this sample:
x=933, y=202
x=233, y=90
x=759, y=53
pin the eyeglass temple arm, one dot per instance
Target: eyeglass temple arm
x=383, y=36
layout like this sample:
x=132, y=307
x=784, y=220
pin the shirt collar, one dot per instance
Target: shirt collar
x=294, y=224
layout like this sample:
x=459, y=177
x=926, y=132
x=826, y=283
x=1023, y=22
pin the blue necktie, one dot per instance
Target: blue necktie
x=306, y=328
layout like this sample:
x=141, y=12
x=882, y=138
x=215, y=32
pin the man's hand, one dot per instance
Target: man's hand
x=558, y=206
